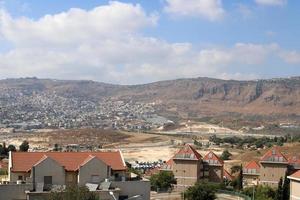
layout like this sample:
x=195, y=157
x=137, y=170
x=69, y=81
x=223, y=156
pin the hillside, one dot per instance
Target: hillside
x=185, y=98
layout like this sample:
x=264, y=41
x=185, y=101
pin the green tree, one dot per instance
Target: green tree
x=74, y=193
x=261, y=192
x=164, y=180
x=201, y=191
x=239, y=183
x=11, y=148
x=286, y=188
x=24, y=146
x=279, y=191
x=235, y=168
x=226, y=155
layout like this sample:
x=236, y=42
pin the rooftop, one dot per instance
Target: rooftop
x=274, y=155
x=24, y=161
x=212, y=159
x=187, y=153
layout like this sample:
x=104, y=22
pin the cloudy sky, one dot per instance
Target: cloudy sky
x=132, y=42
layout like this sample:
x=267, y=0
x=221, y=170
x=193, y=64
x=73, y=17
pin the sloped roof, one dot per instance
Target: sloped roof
x=227, y=175
x=274, y=155
x=187, y=153
x=168, y=165
x=212, y=158
x=295, y=176
x=294, y=160
x=24, y=161
x=252, y=165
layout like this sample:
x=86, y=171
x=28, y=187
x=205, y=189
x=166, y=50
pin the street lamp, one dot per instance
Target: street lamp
x=112, y=194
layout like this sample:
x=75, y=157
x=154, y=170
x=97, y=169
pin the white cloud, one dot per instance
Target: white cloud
x=209, y=9
x=106, y=44
x=292, y=57
x=271, y=2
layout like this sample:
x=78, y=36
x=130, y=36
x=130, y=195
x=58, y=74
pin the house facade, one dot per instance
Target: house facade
x=272, y=166
x=188, y=167
x=295, y=185
x=45, y=171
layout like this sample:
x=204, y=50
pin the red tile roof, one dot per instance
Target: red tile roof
x=23, y=161
x=294, y=160
x=274, y=155
x=252, y=165
x=295, y=175
x=187, y=153
x=212, y=158
x=227, y=175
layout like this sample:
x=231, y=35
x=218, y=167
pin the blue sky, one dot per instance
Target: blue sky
x=132, y=41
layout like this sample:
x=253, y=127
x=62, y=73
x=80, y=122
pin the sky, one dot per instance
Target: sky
x=136, y=42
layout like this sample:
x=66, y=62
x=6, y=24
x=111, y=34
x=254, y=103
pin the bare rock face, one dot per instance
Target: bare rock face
x=201, y=96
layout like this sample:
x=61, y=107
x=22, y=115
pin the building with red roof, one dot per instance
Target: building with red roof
x=188, y=167
x=295, y=185
x=47, y=170
x=213, y=167
x=251, y=173
x=274, y=165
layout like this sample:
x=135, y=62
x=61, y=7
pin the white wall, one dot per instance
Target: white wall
x=50, y=167
x=93, y=167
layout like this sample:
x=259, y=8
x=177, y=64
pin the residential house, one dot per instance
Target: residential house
x=213, y=167
x=47, y=170
x=251, y=173
x=274, y=165
x=295, y=185
x=189, y=167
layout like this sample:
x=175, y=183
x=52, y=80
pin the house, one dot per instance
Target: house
x=251, y=173
x=274, y=165
x=295, y=185
x=214, y=166
x=48, y=170
x=188, y=167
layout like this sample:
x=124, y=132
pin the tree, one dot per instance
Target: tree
x=74, y=193
x=261, y=192
x=279, y=191
x=240, y=179
x=24, y=146
x=226, y=155
x=235, y=168
x=163, y=180
x=56, y=147
x=201, y=191
x=11, y=148
x=286, y=188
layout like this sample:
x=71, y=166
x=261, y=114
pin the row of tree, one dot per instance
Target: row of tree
x=5, y=149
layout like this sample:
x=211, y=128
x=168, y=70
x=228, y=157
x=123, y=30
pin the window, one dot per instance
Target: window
x=47, y=182
x=20, y=178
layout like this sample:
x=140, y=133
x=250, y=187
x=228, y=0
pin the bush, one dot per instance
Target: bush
x=201, y=191
x=164, y=180
x=74, y=193
x=226, y=155
x=260, y=192
x=24, y=146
